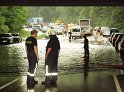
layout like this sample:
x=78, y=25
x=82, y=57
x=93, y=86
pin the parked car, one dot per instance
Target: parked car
x=121, y=45
x=111, y=36
x=6, y=38
x=16, y=37
x=76, y=31
x=119, y=38
x=114, y=30
x=115, y=37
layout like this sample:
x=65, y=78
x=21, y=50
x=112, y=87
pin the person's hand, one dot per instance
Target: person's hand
x=37, y=58
x=46, y=56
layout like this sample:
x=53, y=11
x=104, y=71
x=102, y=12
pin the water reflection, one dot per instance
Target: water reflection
x=50, y=89
x=30, y=90
x=70, y=58
x=10, y=57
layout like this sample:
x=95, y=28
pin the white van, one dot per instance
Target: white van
x=76, y=31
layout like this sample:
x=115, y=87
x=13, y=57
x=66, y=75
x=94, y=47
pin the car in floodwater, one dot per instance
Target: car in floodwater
x=6, y=38
x=116, y=37
x=119, y=39
x=16, y=37
x=76, y=31
x=114, y=30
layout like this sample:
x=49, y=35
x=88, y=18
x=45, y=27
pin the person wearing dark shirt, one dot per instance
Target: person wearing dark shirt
x=86, y=55
x=51, y=58
x=86, y=46
x=32, y=55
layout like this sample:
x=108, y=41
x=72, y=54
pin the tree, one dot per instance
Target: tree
x=111, y=16
x=12, y=18
x=3, y=28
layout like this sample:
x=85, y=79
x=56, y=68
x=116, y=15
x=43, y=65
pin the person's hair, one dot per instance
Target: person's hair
x=34, y=31
x=84, y=36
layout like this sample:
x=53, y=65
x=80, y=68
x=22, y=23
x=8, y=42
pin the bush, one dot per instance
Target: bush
x=25, y=34
x=4, y=29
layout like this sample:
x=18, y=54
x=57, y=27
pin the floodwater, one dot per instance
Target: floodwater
x=13, y=57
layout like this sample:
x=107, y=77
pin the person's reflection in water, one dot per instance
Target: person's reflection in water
x=30, y=88
x=50, y=88
x=86, y=55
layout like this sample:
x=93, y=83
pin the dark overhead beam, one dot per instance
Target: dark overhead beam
x=62, y=2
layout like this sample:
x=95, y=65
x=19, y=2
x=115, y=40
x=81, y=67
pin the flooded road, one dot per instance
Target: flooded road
x=12, y=57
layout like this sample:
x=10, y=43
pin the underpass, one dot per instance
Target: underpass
x=70, y=78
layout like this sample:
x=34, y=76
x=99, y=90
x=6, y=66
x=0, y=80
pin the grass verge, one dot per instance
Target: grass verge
x=26, y=34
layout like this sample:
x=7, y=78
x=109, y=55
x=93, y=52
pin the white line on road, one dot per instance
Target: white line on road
x=9, y=83
x=117, y=84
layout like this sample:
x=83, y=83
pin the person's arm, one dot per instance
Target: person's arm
x=58, y=51
x=36, y=52
x=48, y=52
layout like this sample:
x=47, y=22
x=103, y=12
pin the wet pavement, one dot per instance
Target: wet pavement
x=70, y=66
x=97, y=81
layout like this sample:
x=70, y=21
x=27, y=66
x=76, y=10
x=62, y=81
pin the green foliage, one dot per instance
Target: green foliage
x=41, y=36
x=111, y=16
x=24, y=33
x=4, y=29
x=12, y=18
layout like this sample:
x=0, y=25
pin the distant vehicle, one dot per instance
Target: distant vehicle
x=121, y=45
x=111, y=36
x=35, y=20
x=76, y=31
x=37, y=27
x=6, y=38
x=104, y=31
x=119, y=38
x=51, y=24
x=114, y=38
x=45, y=28
x=114, y=30
x=59, y=30
x=16, y=37
x=108, y=31
x=85, y=26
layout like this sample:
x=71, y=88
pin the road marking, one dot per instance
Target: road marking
x=9, y=83
x=117, y=84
